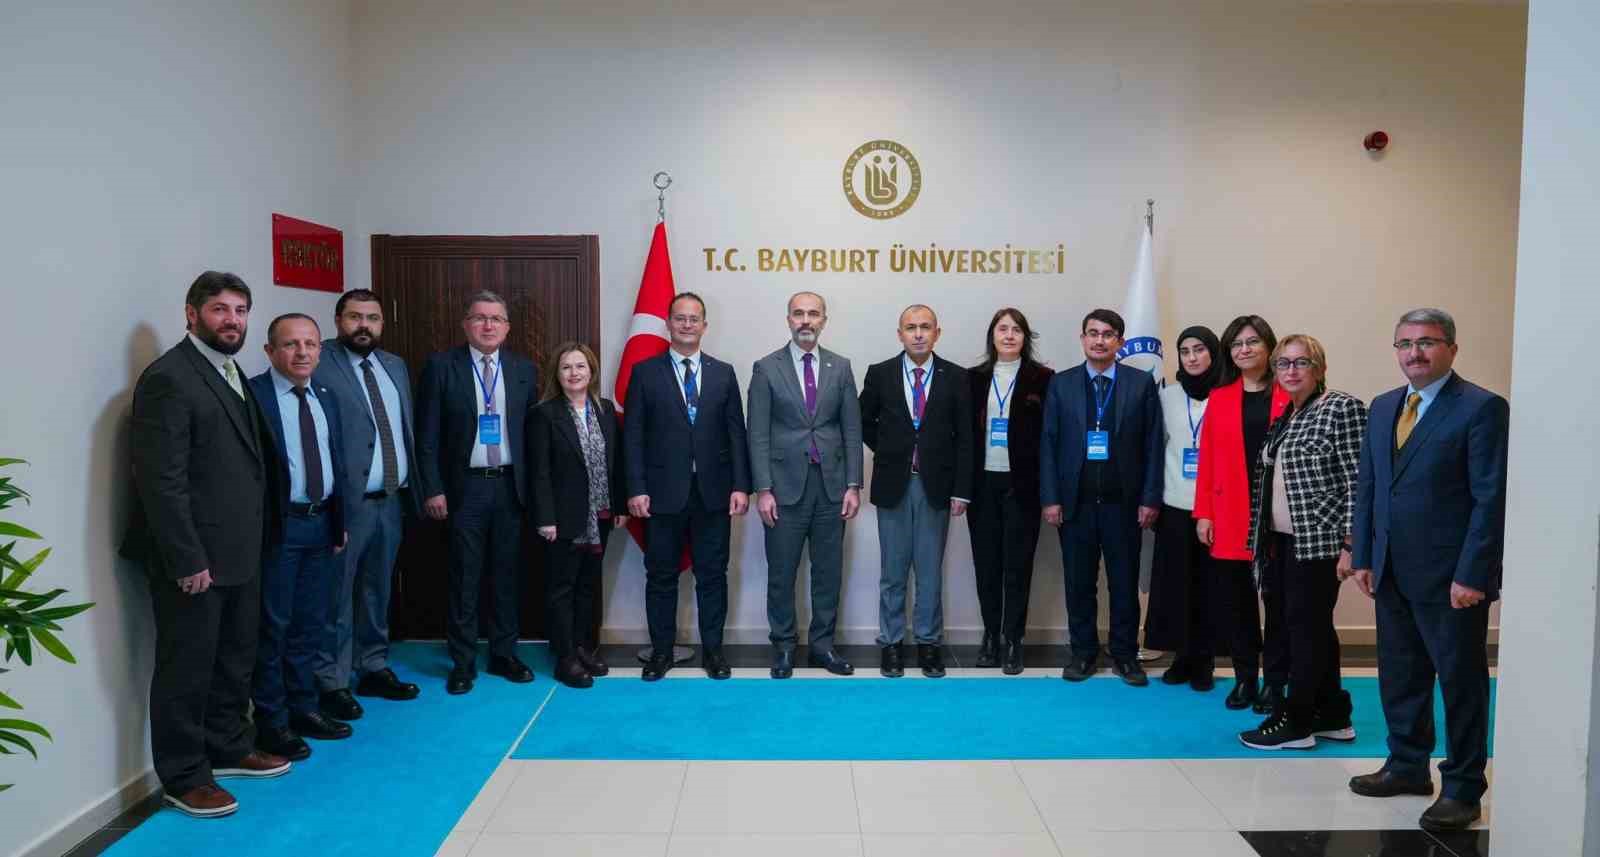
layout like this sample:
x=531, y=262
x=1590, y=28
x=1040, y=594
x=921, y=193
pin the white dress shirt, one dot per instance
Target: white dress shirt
x=391, y=406
x=677, y=369
x=797, y=355
x=217, y=359
x=908, y=374
x=480, y=453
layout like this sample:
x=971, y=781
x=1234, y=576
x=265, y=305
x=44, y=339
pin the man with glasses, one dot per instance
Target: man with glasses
x=1101, y=472
x=471, y=407
x=688, y=473
x=1428, y=539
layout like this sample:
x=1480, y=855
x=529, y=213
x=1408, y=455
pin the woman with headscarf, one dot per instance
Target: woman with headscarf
x=1178, y=618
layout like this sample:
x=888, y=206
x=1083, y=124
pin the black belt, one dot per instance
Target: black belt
x=503, y=470
x=308, y=510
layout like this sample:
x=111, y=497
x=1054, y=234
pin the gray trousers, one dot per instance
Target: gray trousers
x=812, y=517
x=360, y=615
x=911, y=537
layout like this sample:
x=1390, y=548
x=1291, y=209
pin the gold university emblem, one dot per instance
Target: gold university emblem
x=882, y=179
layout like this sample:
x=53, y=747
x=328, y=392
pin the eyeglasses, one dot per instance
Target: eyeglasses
x=1103, y=335
x=686, y=319
x=1242, y=344
x=495, y=320
x=1426, y=343
x=1283, y=364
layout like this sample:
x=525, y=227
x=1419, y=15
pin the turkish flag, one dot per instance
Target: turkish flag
x=647, y=334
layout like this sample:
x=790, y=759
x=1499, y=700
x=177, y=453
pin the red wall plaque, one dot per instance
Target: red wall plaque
x=306, y=255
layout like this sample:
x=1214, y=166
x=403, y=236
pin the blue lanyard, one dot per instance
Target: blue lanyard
x=488, y=392
x=1009, y=390
x=1100, y=404
x=927, y=386
x=1194, y=427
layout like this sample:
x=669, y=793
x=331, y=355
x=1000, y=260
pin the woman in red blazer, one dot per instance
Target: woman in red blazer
x=1246, y=401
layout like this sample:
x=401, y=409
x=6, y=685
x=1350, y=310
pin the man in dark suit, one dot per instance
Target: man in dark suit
x=806, y=459
x=472, y=406
x=201, y=473
x=1100, y=475
x=1427, y=543
x=300, y=571
x=916, y=415
x=688, y=471
x=373, y=391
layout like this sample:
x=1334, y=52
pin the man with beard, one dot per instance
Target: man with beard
x=373, y=392
x=202, y=474
x=805, y=459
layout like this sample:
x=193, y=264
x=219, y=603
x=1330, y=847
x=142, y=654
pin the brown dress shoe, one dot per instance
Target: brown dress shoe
x=207, y=801
x=257, y=765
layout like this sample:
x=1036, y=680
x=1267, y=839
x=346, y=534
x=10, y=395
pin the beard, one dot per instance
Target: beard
x=213, y=338
x=349, y=341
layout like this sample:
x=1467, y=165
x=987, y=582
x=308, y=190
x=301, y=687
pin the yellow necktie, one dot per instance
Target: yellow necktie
x=1408, y=420
x=232, y=372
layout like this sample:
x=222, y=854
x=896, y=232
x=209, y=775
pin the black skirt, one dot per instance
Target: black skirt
x=1179, y=617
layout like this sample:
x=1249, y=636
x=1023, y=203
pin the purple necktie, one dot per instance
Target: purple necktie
x=919, y=401
x=811, y=404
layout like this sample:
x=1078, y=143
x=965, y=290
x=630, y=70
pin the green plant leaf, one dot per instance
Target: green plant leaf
x=26, y=726
x=50, y=643
x=32, y=565
x=8, y=702
x=4, y=786
x=20, y=741
x=36, y=601
x=9, y=529
x=23, y=647
x=7, y=462
x=56, y=613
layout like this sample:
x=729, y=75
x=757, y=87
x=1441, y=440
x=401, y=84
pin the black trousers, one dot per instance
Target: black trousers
x=572, y=583
x=200, y=691
x=1418, y=641
x=665, y=536
x=1005, y=534
x=1178, y=617
x=1309, y=591
x=1238, y=606
x=485, y=545
x=1111, y=529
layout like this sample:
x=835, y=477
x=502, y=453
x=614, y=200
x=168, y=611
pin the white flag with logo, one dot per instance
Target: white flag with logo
x=1141, y=345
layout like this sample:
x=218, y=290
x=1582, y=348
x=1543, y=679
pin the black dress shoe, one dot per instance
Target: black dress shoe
x=460, y=682
x=511, y=669
x=570, y=672
x=1130, y=672
x=315, y=724
x=930, y=659
x=831, y=662
x=1203, y=679
x=656, y=667
x=340, y=705
x=1079, y=667
x=783, y=663
x=592, y=662
x=1386, y=783
x=1011, y=664
x=1271, y=699
x=891, y=665
x=283, y=742
x=715, y=665
x=1449, y=814
x=384, y=683
x=989, y=651
x=1244, y=694
x=1178, y=673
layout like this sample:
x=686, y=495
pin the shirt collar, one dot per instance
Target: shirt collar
x=909, y=366
x=677, y=359
x=1111, y=371
x=355, y=359
x=477, y=356
x=213, y=356
x=282, y=385
x=797, y=354
x=1430, y=392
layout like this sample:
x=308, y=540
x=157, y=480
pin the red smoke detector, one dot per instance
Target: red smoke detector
x=1376, y=141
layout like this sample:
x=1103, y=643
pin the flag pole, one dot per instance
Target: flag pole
x=661, y=181
x=1150, y=216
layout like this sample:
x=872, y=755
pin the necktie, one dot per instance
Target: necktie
x=310, y=451
x=230, y=370
x=691, y=390
x=919, y=401
x=380, y=415
x=811, y=403
x=489, y=380
x=1408, y=420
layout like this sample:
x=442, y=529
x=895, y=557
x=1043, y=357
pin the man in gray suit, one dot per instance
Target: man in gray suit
x=805, y=457
x=374, y=395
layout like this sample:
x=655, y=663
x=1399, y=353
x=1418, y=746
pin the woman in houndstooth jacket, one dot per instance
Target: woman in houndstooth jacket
x=1300, y=518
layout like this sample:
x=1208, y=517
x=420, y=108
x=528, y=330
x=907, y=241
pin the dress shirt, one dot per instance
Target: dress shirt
x=1429, y=393
x=1111, y=380
x=798, y=356
x=289, y=419
x=908, y=373
x=480, y=453
x=677, y=369
x=391, y=406
x=217, y=359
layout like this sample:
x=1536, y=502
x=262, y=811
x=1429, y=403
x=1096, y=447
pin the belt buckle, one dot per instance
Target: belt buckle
x=491, y=473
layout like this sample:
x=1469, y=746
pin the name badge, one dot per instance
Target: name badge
x=1191, y=463
x=1099, y=446
x=489, y=429
x=998, y=431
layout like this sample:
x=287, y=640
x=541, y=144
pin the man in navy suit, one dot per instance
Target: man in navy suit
x=688, y=470
x=472, y=404
x=1428, y=538
x=300, y=574
x=1100, y=475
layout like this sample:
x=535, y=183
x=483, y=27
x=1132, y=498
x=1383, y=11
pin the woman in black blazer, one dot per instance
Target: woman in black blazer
x=573, y=448
x=1004, y=515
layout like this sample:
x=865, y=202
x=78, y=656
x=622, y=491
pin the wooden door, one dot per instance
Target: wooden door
x=551, y=284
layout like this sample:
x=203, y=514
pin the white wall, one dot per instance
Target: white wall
x=1034, y=122
x=140, y=144
x=1547, y=734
